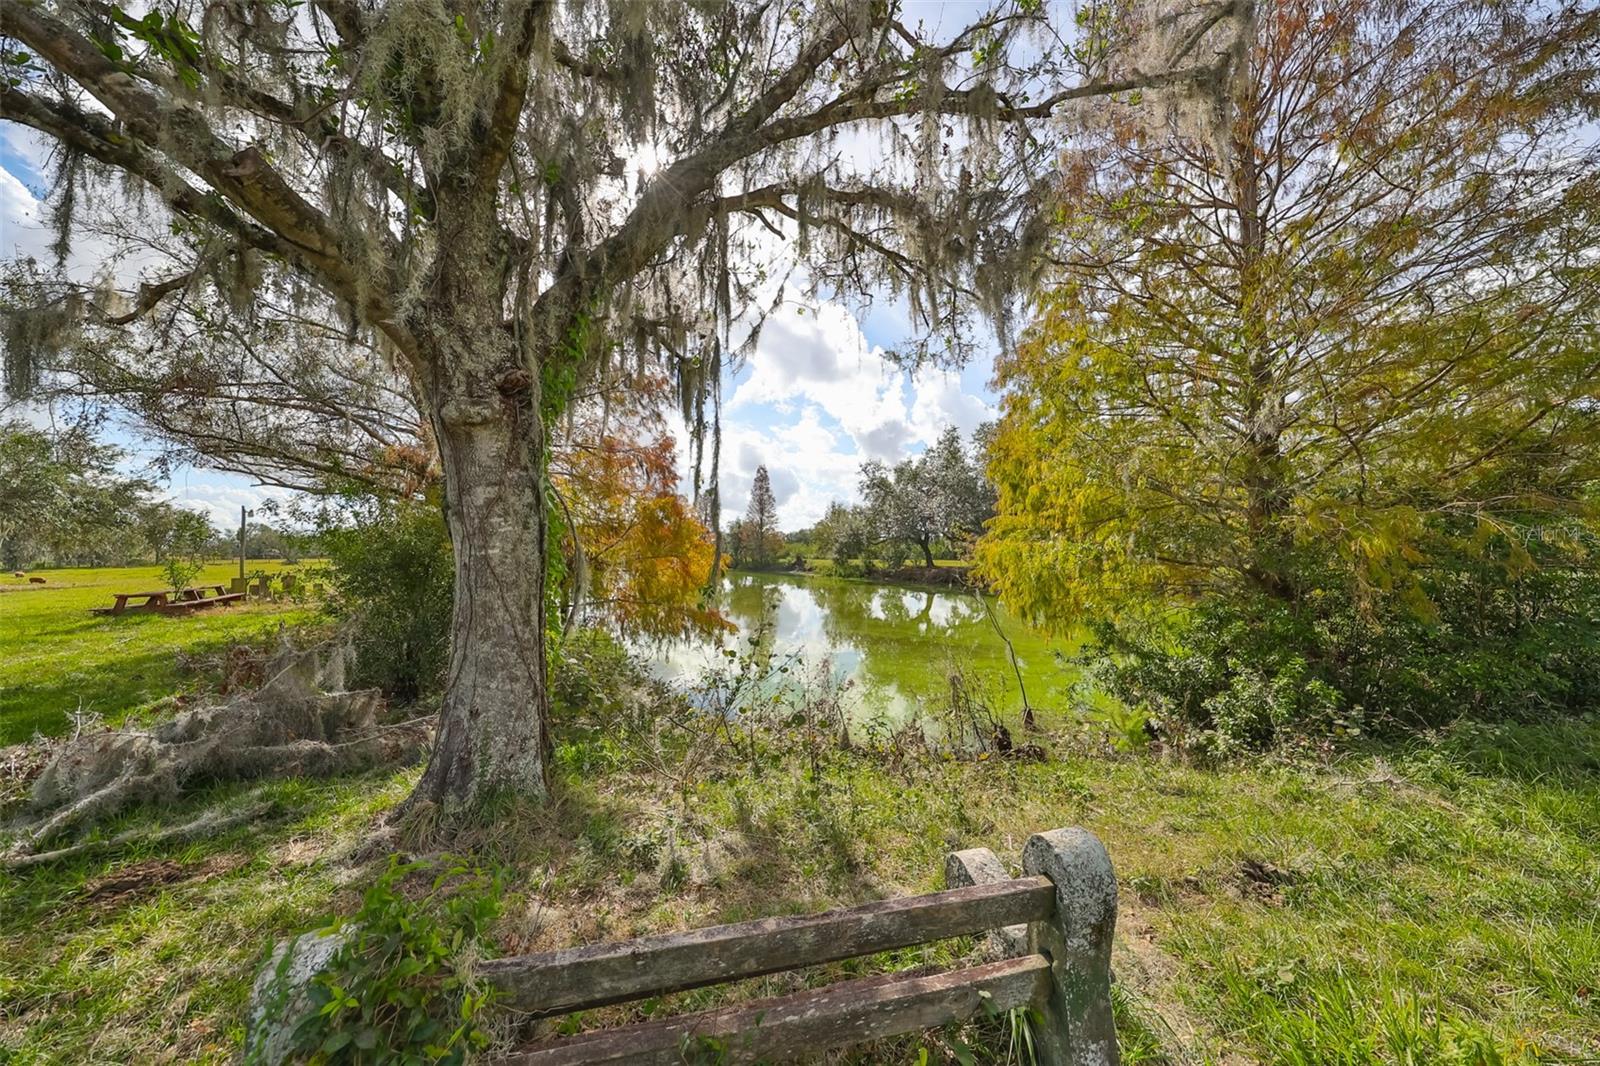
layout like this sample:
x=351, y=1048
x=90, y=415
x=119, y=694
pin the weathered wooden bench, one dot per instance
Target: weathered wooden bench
x=1067, y=900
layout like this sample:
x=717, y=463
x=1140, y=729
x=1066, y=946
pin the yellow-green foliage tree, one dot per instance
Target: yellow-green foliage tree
x=1333, y=367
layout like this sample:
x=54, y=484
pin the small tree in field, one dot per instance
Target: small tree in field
x=479, y=206
x=180, y=544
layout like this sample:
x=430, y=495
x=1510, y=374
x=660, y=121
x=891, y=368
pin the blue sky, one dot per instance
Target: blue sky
x=815, y=400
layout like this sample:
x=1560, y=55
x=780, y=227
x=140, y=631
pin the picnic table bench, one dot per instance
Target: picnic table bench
x=166, y=601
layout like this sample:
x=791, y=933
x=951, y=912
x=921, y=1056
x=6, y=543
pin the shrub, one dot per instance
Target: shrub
x=180, y=571
x=401, y=988
x=392, y=577
x=592, y=676
x=1239, y=674
x=180, y=547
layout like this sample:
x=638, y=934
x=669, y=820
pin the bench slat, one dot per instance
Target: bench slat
x=599, y=974
x=836, y=1016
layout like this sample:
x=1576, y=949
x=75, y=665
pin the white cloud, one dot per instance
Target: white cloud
x=809, y=464
x=219, y=496
x=943, y=400
x=21, y=233
x=814, y=368
x=820, y=356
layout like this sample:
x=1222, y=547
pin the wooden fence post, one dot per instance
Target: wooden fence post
x=1078, y=1028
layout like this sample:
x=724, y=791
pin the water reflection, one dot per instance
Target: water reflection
x=895, y=646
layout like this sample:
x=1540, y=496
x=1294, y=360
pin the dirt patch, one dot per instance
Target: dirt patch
x=1263, y=882
x=300, y=851
x=143, y=878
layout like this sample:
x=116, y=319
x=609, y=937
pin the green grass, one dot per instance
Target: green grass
x=1433, y=905
x=162, y=973
x=1430, y=903
x=57, y=659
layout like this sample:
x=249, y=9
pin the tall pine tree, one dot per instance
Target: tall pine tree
x=758, y=541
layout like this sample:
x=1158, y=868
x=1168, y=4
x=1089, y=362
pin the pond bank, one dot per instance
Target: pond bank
x=951, y=575
x=1375, y=909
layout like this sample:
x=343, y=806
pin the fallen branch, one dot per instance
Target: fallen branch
x=214, y=821
x=301, y=723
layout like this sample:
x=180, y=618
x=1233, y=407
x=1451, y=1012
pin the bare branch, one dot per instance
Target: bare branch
x=149, y=296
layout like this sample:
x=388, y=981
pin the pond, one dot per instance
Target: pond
x=894, y=645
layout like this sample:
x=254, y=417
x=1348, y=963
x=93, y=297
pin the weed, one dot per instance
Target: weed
x=401, y=989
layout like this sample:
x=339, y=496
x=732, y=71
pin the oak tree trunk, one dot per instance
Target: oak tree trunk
x=493, y=735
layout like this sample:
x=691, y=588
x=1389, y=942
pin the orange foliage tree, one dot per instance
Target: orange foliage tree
x=637, y=554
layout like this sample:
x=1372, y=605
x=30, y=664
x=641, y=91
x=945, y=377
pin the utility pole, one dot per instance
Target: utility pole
x=242, y=513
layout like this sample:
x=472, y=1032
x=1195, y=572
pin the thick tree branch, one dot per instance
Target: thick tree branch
x=347, y=20
x=972, y=103
x=319, y=123
x=655, y=219
x=243, y=176
x=98, y=138
x=151, y=294
x=506, y=112
x=583, y=67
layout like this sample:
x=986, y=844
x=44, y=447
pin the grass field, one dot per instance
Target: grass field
x=57, y=659
x=1437, y=902
x=1434, y=906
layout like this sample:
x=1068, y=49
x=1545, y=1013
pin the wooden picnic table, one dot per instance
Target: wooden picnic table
x=166, y=600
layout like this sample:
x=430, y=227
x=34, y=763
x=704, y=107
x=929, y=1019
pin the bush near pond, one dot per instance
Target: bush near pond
x=1245, y=673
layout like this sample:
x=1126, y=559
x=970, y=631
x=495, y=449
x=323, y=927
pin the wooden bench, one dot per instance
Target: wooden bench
x=1067, y=900
x=165, y=600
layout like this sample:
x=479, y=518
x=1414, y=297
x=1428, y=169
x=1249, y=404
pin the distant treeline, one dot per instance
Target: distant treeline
x=933, y=506
x=65, y=502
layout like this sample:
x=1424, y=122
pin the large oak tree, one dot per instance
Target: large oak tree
x=500, y=196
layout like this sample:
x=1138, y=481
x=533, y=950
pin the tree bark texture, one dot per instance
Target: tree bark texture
x=483, y=395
